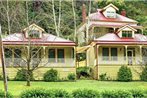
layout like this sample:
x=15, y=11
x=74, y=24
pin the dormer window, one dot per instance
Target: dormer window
x=111, y=14
x=33, y=31
x=34, y=34
x=127, y=34
x=110, y=11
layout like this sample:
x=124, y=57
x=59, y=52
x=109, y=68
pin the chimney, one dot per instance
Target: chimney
x=83, y=13
x=123, y=12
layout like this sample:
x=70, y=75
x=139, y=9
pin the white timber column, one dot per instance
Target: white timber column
x=87, y=58
x=74, y=56
x=97, y=61
x=126, y=47
x=44, y=54
x=114, y=29
x=140, y=52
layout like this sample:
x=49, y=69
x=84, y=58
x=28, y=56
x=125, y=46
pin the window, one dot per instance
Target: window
x=8, y=57
x=72, y=53
x=34, y=34
x=105, y=53
x=60, y=55
x=127, y=34
x=109, y=54
x=17, y=53
x=56, y=55
x=36, y=53
x=114, y=54
x=17, y=57
x=51, y=55
x=111, y=14
x=8, y=53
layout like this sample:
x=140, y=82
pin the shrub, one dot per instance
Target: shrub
x=84, y=71
x=61, y=94
x=104, y=77
x=36, y=93
x=22, y=75
x=2, y=95
x=116, y=94
x=143, y=75
x=124, y=74
x=137, y=93
x=71, y=76
x=85, y=94
x=42, y=93
x=1, y=78
x=51, y=75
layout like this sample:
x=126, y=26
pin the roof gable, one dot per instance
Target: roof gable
x=33, y=26
x=110, y=5
x=127, y=26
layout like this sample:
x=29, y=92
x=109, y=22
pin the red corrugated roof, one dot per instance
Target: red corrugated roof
x=112, y=38
x=47, y=39
x=119, y=18
x=112, y=24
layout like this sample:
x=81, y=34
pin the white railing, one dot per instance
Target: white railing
x=51, y=62
x=122, y=60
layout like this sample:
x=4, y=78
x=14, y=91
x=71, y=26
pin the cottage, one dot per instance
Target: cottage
x=46, y=51
x=114, y=40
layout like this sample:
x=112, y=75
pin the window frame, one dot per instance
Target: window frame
x=127, y=34
x=56, y=59
x=109, y=56
x=31, y=34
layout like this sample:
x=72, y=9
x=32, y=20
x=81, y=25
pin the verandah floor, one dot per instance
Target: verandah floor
x=16, y=87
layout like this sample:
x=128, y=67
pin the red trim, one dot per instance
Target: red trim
x=42, y=44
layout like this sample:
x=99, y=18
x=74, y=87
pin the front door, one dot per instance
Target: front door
x=130, y=57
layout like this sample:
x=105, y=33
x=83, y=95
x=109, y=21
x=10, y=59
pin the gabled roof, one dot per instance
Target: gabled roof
x=47, y=39
x=33, y=25
x=112, y=38
x=99, y=16
x=110, y=5
x=127, y=26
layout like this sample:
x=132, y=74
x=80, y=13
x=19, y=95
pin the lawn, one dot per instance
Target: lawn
x=16, y=87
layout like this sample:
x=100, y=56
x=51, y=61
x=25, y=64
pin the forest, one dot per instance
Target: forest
x=61, y=15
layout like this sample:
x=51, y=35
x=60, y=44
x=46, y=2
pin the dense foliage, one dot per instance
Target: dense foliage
x=143, y=75
x=116, y=94
x=137, y=93
x=1, y=77
x=124, y=74
x=61, y=94
x=36, y=93
x=85, y=94
x=104, y=77
x=71, y=76
x=81, y=93
x=2, y=95
x=51, y=75
x=22, y=75
x=42, y=93
x=84, y=71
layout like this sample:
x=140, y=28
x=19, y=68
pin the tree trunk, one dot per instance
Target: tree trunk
x=28, y=75
x=28, y=78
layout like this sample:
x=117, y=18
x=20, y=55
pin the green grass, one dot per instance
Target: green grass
x=16, y=87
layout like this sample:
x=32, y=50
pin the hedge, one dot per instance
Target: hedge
x=42, y=93
x=82, y=93
x=2, y=95
x=85, y=94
